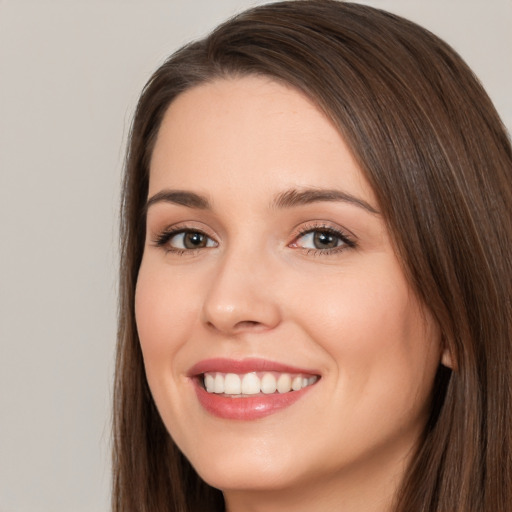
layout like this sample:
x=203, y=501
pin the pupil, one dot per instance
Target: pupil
x=194, y=240
x=324, y=240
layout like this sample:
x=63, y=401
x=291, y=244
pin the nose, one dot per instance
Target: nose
x=241, y=296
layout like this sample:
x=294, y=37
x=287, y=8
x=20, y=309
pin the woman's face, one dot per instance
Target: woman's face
x=267, y=264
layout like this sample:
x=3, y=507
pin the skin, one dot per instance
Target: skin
x=259, y=288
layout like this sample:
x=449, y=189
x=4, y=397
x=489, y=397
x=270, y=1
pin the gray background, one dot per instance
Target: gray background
x=70, y=74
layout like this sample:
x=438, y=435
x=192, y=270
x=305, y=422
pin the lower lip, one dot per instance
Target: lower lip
x=248, y=407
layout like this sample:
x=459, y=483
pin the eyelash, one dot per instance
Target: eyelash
x=162, y=239
x=347, y=242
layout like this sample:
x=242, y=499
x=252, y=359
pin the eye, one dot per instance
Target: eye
x=190, y=240
x=323, y=239
x=320, y=240
x=184, y=240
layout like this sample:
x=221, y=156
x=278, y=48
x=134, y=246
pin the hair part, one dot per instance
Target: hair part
x=438, y=158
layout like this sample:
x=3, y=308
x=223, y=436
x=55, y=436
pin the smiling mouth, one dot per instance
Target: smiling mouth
x=249, y=389
x=255, y=383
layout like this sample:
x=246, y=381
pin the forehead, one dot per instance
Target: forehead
x=253, y=131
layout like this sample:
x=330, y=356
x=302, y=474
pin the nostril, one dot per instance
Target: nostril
x=243, y=325
x=247, y=324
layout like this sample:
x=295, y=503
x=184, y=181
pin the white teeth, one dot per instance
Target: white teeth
x=209, y=382
x=268, y=384
x=250, y=384
x=297, y=383
x=232, y=384
x=254, y=383
x=284, y=383
x=219, y=383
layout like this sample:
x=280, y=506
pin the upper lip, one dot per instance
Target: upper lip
x=224, y=365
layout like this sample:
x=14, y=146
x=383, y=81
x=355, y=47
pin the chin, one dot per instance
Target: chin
x=246, y=478
x=252, y=468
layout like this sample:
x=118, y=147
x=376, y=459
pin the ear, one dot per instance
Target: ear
x=447, y=358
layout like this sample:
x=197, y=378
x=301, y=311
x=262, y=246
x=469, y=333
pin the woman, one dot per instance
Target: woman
x=315, y=277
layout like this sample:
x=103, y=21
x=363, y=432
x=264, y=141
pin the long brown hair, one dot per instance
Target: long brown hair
x=433, y=148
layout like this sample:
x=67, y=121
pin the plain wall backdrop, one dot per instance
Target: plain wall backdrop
x=70, y=75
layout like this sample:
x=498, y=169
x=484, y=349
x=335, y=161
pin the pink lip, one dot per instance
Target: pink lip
x=244, y=366
x=244, y=408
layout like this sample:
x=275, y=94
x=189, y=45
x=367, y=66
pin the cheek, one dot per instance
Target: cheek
x=358, y=311
x=163, y=313
x=376, y=333
x=385, y=353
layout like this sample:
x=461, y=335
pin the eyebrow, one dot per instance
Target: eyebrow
x=180, y=197
x=287, y=199
x=294, y=197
